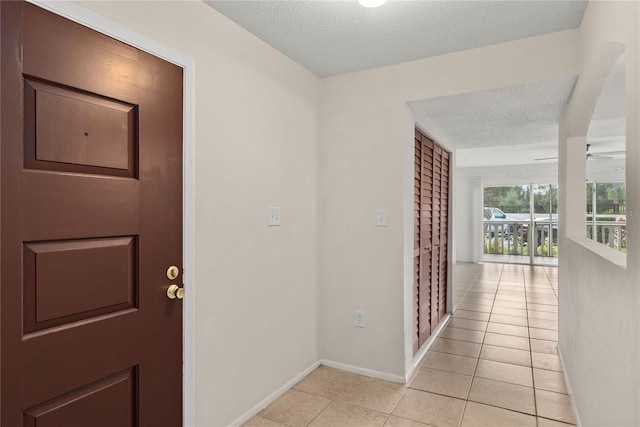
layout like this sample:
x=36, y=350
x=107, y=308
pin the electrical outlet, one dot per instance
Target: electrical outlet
x=274, y=216
x=360, y=319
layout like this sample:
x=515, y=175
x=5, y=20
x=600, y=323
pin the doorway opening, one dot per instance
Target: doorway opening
x=520, y=224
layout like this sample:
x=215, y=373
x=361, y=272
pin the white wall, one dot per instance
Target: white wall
x=363, y=160
x=256, y=127
x=600, y=289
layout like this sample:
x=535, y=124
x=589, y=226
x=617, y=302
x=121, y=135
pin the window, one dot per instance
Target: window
x=605, y=211
x=515, y=233
x=606, y=214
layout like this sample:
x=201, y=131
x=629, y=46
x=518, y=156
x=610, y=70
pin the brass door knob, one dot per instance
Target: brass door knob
x=175, y=291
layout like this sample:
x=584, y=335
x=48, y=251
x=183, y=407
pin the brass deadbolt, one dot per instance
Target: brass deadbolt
x=172, y=272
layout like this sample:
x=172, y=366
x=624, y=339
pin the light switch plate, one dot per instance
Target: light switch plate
x=360, y=319
x=382, y=218
x=274, y=216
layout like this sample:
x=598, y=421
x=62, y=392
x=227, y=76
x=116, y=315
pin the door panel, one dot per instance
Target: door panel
x=426, y=271
x=435, y=253
x=444, y=239
x=431, y=195
x=100, y=277
x=75, y=130
x=417, y=221
x=63, y=359
x=109, y=402
x=91, y=217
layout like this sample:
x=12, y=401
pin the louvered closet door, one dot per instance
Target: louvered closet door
x=426, y=241
x=435, y=252
x=431, y=187
x=422, y=241
x=417, y=191
x=444, y=227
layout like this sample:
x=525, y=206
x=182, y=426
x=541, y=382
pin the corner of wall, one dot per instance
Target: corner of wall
x=599, y=298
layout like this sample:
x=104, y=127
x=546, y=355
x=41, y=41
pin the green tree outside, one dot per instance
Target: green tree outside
x=610, y=198
x=511, y=199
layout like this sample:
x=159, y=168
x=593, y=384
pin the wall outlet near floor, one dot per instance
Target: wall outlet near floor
x=360, y=319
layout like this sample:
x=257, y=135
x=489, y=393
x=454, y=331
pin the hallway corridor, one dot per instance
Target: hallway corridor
x=495, y=364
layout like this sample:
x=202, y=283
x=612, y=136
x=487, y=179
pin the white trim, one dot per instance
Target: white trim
x=426, y=347
x=289, y=384
x=363, y=371
x=477, y=213
x=567, y=383
x=451, y=233
x=106, y=26
x=273, y=396
x=615, y=257
x=408, y=229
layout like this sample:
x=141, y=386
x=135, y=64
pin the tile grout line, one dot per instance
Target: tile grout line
x=531, y=350
x=531, y=367
x=529, y=339
x=533, y=378
x=473, y=377
x=512, y=279
x=404, y=391
x=527, y=310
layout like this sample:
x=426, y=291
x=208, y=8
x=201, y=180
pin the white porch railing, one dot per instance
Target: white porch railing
x=516, y=237
x=609, y=233
x=506, y=237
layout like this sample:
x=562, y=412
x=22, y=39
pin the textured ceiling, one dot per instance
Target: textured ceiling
x=335, y=37
x=512, y=115
x=517, y=124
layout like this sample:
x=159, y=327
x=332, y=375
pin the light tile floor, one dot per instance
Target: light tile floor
x=495, y=364
x=520, y=259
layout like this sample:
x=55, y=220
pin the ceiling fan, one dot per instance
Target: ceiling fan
x=603, y=155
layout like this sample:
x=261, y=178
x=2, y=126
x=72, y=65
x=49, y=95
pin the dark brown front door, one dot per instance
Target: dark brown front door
x=90, y=220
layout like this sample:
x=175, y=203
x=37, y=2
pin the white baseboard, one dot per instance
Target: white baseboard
x=567, y=383
x=363, y=371
x=425, y=348
x=273, y=396
x=329, y=363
